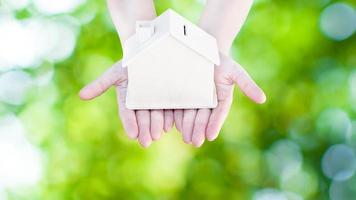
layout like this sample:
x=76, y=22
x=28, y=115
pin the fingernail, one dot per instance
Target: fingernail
x=211, y=137
x=156, y=136
x=83, y=93
x=187, y=140
x=145, y=144
x=145, y=141
x=197, y=144
x=132, y=136
x=262, y=99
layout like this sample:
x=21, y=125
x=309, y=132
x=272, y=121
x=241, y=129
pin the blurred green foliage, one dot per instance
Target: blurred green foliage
x=279, y=145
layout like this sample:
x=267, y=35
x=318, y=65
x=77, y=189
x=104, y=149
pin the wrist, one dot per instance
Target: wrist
x=224, y=45
x=124, y=14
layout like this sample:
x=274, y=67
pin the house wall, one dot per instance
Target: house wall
x=170, y=75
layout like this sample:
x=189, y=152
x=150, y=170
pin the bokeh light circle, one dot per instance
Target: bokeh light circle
x=352, y=140
x=301, y=131
x=274, y=194
x=339, y=162
x=14, y=86
x=3, y=195
x=58, y=40
x=28, y=43
x=343, y=190
x=334, y=125
x=284, y=158
x=21, y=163
x=304, y=183
x=352, y=86
x=57, y=6
x=16, y=4
x=19, y=44
x=338, y=21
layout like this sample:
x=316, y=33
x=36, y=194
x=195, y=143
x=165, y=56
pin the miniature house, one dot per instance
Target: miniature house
x=170, y=65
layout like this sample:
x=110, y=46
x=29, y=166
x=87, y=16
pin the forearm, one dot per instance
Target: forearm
x=223, y=19
x=125, y=13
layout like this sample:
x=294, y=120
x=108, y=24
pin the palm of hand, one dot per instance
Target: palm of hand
x=145, y=125
x=195, y=124
x=198, y=124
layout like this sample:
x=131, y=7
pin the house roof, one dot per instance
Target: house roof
x=170, y=24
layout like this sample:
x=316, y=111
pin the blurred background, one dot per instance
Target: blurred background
x=301, y=144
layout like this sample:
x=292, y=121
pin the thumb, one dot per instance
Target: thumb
x=114, y=75
x=244, y=81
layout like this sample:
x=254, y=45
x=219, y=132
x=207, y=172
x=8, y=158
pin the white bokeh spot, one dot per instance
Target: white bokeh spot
x=14, y=86
x=15, y=4
x=18, y=44
x=57, y=6
x=58, y=40
x=29, y=42
x=284, y=158
x=20, y=162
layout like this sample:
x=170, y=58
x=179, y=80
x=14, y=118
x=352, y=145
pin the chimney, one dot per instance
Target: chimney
x=144, y=30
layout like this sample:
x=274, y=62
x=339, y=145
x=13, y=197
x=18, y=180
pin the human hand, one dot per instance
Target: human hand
x=145, y=125
x=198, y=124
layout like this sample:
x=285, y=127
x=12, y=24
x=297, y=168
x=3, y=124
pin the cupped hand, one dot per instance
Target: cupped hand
x=196, y=125
x=144, y=125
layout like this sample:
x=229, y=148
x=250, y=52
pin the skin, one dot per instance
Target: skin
x=144, y=125
x=200, y=124
x=207, y=123
x=196, y=125
x=224, y=26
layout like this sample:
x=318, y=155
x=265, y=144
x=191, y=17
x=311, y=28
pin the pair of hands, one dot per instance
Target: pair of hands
x=196, y=125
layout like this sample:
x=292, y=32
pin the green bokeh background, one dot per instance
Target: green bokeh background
x=307, y=79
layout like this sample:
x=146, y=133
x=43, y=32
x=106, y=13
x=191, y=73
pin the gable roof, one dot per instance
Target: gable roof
x=171, y=24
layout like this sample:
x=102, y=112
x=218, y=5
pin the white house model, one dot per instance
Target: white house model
x=170, y=65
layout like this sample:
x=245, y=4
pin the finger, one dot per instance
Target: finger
x=143, y=121
x=188, y=124
x=157, y=121
x=114, y=75
x=217, y=118
x=127, y=116
x=248, y=86
x=178, y=119
x=168, y=120
x=200, y=124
